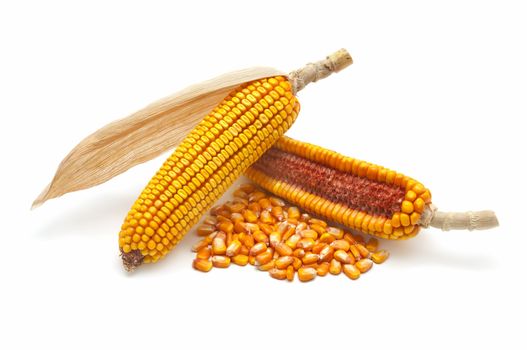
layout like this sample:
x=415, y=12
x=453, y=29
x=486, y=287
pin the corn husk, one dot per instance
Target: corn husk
x=127, y=142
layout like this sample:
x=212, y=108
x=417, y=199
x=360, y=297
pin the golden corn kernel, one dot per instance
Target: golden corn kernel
x=225, y=226
x=264, y=257
x=407, y=207
x=275, y=238
x=341, y=244
x=277, y=202
x=247, y=241
x=233, y=248
x=220, y=261
x=335, y=267
x=293, y=241
x=293, y=213
x=380, y=256
x=250, y=216
x=265, y=217
x=202, y=265
x=284, y=249
x=306, y=274
x=323, y=269
x=364, y=265
x=310, y=258
x=327, y=238
x=204, y=253
x=278, y=213
x=306, y=243
x=290, y=273
x=218, y=246
x=299, y=253
x=283, y=262
x=342, y=256
x=278, y=274
x=354, y=250
x=267, y=266
x=261, y=237
x=309, y=234
x=205, y=230
x=241, y=260
x=351, y=271
x=297, y=263
x=364, y=253
x=258, y=248
x=326, y=254
x=336, y=232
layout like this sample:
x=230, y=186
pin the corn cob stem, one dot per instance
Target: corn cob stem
x=470, y=220
x=354, y=193
x=313, y=72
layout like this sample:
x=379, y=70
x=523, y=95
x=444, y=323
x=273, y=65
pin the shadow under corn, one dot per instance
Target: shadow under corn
x=424, y=250
x=100, y=213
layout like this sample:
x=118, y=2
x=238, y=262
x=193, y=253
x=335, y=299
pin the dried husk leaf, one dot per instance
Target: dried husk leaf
x=143, y=135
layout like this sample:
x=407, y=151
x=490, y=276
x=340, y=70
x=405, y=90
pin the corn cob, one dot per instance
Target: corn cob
x=354, y=193
x=221, y=147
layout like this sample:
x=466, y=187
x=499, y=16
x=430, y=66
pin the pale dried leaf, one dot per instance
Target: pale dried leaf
x=143, y=135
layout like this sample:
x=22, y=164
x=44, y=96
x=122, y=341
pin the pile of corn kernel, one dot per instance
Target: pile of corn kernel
x=261, y=230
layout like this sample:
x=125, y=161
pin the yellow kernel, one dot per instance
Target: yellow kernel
x=335, y=267
x=233, y=248
x=204, y=253
x=221, y=261
x=264, y=258
x=405, y=219
x=342, y=257
x=290, y=273
x=257, y=249
x=340, y=244
x=364, y=265
x=351, y=271
x=283, y=249
x=202, y=265
x=306, y=274
x=380, y=256
x=419, y=205
x=323, y=269
x=240, y=259
x=278, y=274
x=407, y=207
x=218, y=246
x=283, y=262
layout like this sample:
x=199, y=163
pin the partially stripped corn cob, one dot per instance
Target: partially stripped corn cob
x=222, y=146
x=355, y=193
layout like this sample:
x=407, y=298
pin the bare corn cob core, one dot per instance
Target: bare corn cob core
x=351, y=192
x=212, y=156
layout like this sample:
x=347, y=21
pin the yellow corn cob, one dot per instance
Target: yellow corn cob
x=221, y=147
x=212, y=156
x=363, y=196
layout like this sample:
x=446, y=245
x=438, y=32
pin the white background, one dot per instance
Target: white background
x=437, y=91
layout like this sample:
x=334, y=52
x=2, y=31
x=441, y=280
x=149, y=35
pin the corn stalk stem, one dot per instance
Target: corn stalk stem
x=313, y=72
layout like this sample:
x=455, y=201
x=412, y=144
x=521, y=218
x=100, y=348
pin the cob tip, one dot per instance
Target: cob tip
x=132, y=259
